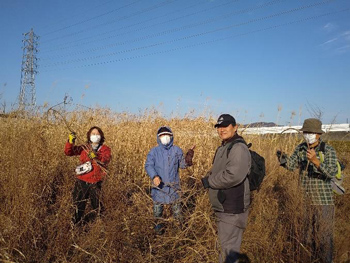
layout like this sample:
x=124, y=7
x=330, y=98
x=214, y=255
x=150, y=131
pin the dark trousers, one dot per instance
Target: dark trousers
x=158, y=213
x=176, y=207
x=81, y=193
x=320, y=231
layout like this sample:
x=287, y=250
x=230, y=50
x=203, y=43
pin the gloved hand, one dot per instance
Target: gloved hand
x=282, y=158
x=278, y=153
x=205, y=179
x=92, y=155
x=72, y=137
x=205, y=182
x=189, y=156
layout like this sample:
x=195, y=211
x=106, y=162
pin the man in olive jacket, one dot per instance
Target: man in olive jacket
x=229, y=191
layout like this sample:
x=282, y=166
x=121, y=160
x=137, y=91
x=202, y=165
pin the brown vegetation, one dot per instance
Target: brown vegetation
x=36, y=181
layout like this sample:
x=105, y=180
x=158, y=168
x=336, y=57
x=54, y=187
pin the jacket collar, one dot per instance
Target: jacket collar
x=233, y=138
x=304, y=145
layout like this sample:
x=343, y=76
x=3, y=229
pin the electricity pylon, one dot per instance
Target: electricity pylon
x=29, y=67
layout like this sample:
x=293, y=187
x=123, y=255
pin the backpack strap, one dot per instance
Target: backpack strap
x=339, y=165
x=241, y=140
x=321, y=151
x=233, y=143
x=322, y=147
x=214, y=156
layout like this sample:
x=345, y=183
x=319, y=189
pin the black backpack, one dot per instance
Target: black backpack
x=257, y=170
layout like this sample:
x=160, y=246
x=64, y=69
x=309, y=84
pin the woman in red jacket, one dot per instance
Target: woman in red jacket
x=94, y=157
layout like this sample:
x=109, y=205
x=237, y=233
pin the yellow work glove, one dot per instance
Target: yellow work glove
x=72, y=137
x=91, y=155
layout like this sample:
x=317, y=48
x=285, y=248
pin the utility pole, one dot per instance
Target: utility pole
x=29, y=67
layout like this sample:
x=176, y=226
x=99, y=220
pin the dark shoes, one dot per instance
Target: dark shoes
x=159, y=229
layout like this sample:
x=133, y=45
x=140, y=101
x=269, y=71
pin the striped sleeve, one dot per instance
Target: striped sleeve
x=293, y=160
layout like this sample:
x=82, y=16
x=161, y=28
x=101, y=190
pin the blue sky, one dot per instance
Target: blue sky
x=278, y=61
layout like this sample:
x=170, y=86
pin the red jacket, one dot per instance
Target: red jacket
x=98, y=172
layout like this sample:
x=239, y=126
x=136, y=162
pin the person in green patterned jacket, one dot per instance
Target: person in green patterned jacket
x=316, y=176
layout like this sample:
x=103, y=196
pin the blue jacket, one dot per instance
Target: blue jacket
x=165, y=162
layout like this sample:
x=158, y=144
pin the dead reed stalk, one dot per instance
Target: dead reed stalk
x=36, y=182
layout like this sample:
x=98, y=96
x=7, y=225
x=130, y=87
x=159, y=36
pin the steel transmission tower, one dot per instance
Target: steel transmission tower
x=29, y=67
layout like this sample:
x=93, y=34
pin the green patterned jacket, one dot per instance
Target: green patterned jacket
x=315, y=181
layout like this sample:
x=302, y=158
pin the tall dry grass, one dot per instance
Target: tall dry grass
x=36, y=181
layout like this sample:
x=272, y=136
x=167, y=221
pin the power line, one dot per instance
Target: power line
x=67, y=45
x=42, y=27
x=112, y=21
x=193, y=35
x=211, y=20
x=210, y=41
x=89, y=19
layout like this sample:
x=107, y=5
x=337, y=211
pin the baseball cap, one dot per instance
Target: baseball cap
x=225, y=120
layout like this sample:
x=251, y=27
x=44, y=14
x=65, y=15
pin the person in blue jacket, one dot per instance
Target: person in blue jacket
x=162, y=166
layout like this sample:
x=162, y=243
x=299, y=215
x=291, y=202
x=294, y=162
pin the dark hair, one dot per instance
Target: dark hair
x=100, y=132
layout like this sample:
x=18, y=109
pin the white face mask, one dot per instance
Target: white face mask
x=310, y=138
x=165, y=139
x=95, y=138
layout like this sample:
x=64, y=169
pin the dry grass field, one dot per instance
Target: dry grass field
x=36, y=181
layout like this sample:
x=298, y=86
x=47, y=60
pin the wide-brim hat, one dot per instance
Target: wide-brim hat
x=312, y=125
